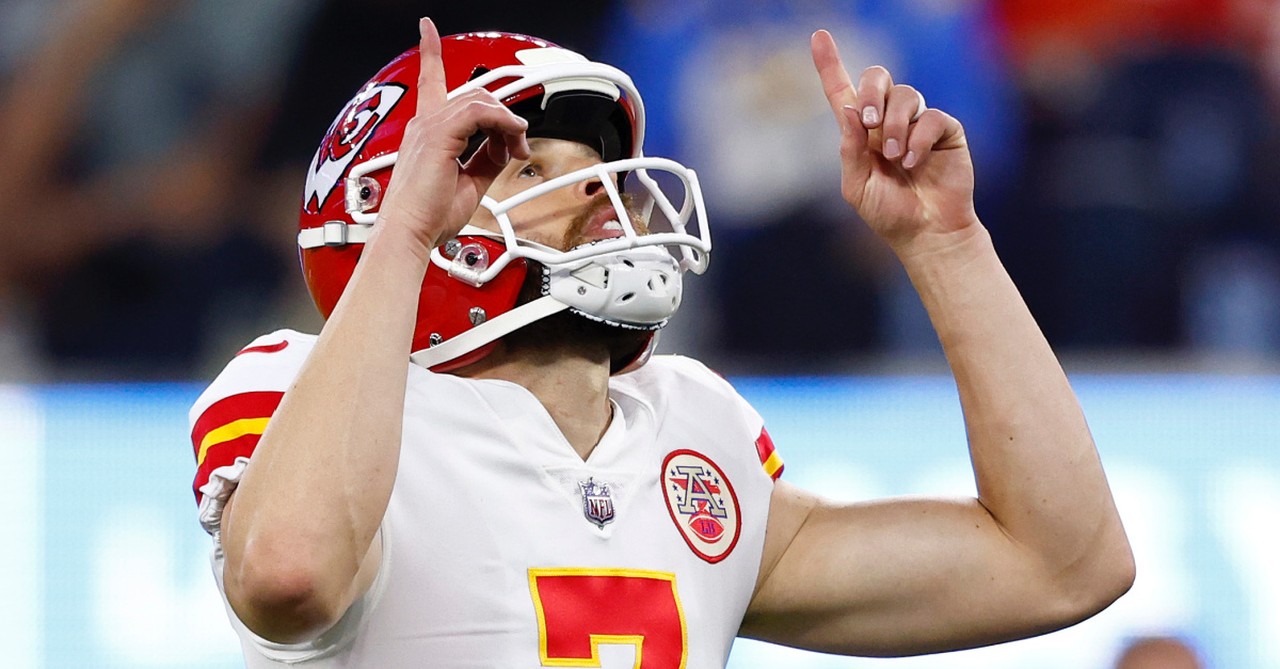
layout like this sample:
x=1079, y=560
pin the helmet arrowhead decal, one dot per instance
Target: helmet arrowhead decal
x=348, y=134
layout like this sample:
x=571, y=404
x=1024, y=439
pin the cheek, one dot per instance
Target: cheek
x=541, y=219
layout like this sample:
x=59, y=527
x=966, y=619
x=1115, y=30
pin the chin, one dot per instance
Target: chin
x=570, y=333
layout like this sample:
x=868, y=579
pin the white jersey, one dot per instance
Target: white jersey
x=503, y=548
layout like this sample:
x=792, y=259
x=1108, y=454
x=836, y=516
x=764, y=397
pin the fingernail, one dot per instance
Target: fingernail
x=910, y=161
x=870, y=116
x=891, y=148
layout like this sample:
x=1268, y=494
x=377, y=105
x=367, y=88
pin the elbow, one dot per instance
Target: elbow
x=1116, y=568
x=1119, y=575
x=1107, y=586
x=1101, y=581
x=282, y=596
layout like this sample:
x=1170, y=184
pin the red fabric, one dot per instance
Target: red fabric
x=765, y=449
x=576, y=607
x=268, y=348
x=222, y=455
x=227, y=410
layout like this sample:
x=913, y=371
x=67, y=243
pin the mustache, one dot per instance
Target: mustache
x=575, y=235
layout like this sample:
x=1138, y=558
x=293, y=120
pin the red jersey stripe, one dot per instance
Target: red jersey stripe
x=769, y=457
x=266, y=348
x=231, y=409
x=221, y=455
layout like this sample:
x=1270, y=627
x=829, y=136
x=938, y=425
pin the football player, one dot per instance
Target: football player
x=477, y=463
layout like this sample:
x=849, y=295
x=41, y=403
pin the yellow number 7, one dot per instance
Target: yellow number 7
x=579, y=609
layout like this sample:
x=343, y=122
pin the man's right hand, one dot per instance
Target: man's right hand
x=430, y=191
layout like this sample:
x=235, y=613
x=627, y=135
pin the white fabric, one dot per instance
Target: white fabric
x=222, y=482
x=488, y=489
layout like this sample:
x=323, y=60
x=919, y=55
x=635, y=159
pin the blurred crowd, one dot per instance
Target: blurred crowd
x=1126, y=155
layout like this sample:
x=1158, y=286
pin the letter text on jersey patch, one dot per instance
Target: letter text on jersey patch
x=702, y=504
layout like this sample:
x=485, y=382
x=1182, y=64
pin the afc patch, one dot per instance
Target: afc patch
x=702, y=504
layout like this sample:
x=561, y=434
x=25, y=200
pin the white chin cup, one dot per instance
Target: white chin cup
x=638, y=288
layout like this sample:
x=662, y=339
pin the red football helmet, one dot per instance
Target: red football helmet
x=470, y=292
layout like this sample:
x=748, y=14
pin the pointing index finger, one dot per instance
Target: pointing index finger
x=432, y=91
x=836, y=84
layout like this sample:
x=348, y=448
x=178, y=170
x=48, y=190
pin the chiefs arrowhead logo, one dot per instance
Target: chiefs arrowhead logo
x=348, y=134
x=702, y=504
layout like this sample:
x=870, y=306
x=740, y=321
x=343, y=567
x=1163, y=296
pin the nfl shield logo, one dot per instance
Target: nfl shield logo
x=597, y=502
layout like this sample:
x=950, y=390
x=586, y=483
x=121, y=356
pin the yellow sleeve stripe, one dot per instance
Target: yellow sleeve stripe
x=773, y=465
x=233, y=430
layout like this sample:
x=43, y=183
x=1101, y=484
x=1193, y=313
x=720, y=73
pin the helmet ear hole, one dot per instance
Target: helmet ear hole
x=363, y=194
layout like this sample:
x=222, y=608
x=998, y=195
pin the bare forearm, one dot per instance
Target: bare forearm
x=1042, y=547
x=317, y=487
x=1037, y=470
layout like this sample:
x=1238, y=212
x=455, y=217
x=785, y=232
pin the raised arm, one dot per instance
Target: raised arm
x=298, y=533
x=1042, y=546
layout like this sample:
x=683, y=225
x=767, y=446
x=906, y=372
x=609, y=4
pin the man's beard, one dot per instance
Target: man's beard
x=576, y=234
x=573, y=332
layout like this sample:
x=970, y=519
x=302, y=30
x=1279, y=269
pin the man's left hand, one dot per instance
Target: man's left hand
x=905, y=168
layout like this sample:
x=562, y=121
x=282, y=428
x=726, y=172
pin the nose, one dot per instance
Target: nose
x=590, y=188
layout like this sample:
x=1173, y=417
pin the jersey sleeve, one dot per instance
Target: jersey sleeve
x=226, y=423
x=230, y=416
x=694, y=372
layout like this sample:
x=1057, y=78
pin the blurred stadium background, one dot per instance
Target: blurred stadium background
x=1127, y=166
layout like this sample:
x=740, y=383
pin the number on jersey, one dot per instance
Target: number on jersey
x=579, y=609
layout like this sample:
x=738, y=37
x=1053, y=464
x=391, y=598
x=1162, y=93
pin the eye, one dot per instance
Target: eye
x=529, y=171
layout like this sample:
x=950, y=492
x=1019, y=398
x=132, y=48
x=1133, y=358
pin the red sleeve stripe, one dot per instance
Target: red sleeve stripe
x=267, y=348
x=213, y=426
x=769, y=457
x=222, y=455
x=228, y=429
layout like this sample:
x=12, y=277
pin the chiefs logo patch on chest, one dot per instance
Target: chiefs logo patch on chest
x=702, y=504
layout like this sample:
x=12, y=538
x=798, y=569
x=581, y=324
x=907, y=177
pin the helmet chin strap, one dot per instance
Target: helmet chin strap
x=636, y=289
x=487, y=332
